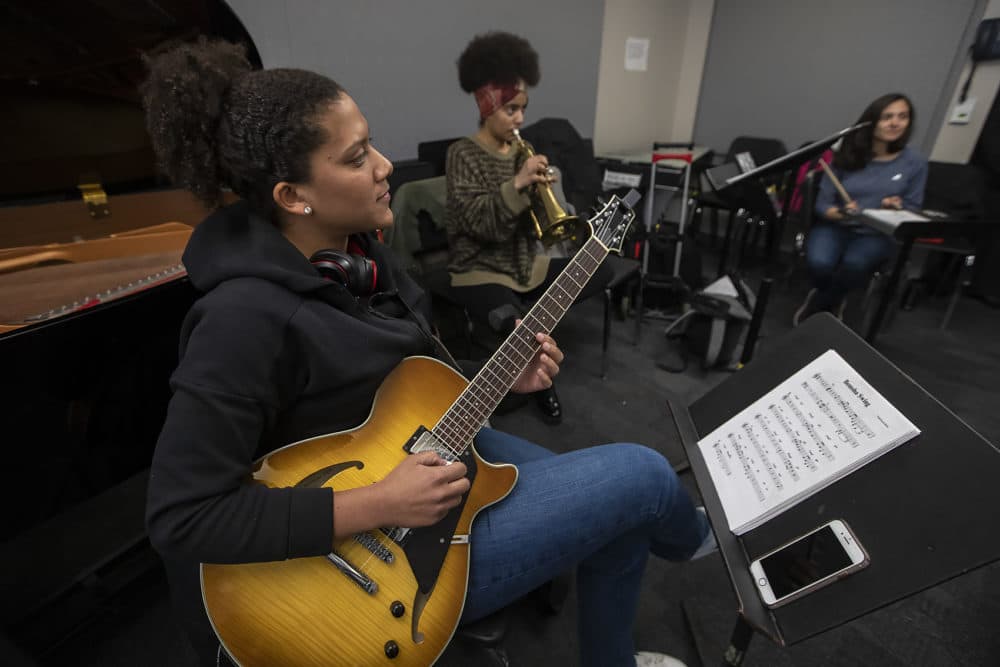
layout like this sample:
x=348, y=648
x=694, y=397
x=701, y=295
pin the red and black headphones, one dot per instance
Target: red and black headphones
x=353, y=269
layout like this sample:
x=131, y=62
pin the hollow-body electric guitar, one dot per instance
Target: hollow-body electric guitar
x=391, y=596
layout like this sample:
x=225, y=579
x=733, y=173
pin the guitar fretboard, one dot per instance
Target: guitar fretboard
x=474, y=406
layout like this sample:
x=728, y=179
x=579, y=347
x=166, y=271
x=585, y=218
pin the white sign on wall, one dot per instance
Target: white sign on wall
x=636, y=54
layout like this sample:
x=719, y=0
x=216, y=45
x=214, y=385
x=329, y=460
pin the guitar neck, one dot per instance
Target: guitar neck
x=474, y=406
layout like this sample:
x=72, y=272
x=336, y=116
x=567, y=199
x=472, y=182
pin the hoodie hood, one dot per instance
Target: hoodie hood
x=233, y=242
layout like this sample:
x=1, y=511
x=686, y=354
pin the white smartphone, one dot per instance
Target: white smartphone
x=807, y=563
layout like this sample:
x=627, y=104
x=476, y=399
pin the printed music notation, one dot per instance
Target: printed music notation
x=815, y=427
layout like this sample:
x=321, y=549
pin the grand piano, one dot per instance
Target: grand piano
x=92, y=295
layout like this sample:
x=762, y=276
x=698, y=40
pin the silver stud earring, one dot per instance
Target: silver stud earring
x=308, y=210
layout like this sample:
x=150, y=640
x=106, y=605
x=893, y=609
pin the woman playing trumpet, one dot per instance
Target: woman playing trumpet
x=497, y=270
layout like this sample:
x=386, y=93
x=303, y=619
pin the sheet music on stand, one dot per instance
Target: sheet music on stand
x=817, y=426
x=886, y=220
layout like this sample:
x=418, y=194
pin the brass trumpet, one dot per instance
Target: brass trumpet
x=552, y=222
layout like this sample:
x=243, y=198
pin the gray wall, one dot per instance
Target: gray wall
x=397, y=57
x=801, y=69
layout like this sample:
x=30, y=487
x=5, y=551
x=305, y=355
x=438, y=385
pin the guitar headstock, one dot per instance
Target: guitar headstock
x=611, y=223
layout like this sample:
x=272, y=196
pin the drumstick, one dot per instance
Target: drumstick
x=836, y=181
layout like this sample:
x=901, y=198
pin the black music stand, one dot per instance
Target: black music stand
x=906, y=233
x=945, y=477
x=746, y=190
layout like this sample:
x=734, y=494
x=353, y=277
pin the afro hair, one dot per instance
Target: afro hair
x=497, y=57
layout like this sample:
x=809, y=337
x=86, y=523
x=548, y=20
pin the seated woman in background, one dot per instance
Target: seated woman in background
x=877, y=170
x=495, y=264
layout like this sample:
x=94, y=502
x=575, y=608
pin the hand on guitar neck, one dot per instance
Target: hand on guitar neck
x=542, y=368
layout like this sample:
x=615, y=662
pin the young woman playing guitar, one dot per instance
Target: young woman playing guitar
x=285, y=540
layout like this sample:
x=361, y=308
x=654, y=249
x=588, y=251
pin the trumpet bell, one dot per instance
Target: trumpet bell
x=556, y=228
x=551, y=221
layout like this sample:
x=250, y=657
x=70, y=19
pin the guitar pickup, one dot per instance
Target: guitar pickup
x=423, y=440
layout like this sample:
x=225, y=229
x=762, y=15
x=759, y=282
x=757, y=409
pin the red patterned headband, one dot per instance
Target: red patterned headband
x=491, y=96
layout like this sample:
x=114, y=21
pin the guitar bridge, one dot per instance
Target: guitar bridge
x=379, y=550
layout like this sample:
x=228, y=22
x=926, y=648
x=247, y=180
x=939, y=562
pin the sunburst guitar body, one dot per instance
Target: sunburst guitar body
x=312, y=611
x=392, y=596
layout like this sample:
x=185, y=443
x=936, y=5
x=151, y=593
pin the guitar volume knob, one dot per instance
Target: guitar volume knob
x=391, y=649
x=397, y=609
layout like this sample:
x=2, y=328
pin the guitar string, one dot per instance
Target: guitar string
x=549, y=300
x=450, y=418
x=449, y=433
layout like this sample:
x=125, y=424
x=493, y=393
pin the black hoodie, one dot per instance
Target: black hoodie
x=273, y=353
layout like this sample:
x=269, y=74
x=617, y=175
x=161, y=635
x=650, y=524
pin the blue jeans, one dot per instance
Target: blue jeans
x=842, y=258
x=603, y=509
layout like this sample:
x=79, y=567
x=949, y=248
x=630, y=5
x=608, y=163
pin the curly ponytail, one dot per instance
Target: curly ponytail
x=216, y=123
x=183, y=98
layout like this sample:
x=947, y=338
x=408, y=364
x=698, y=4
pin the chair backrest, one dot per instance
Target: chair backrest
x=558, y=140
x=956, y=189
x=762, y=149
x=435, y=153
x=404, y=171
x=417, y=235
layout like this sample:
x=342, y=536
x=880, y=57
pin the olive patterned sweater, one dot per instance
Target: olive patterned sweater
x=490, y=233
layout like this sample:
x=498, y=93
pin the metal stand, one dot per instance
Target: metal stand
x=746, y=190
x=738, y=644
x=735, y=651
x=906, y=234
x=656, y=164
x=756, y=319
x=883, y=305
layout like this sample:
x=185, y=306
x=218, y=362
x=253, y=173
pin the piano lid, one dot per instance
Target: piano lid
x=71, y=115
x=90, y=306
x=69, y=104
